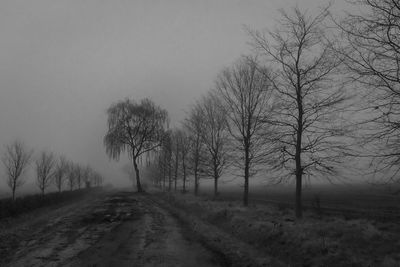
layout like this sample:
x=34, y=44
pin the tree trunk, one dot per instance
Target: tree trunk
x=170, y=174
x=184, y=175
x=138, y=184
x=196, y=166
x=164, y=173
x=215, y=180
x=176, y=166
x=246, y=177
x=196, y=183
x=299, y=168
x=13, y=192
x=215, y=186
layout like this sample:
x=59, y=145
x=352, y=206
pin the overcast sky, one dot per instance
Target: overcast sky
x=64, y=62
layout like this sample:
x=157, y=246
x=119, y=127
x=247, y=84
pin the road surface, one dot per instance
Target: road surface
x=103, y=229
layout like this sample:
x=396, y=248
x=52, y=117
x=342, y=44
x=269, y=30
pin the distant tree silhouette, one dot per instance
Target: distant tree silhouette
x=71, y=175
x=60, y=172
x=44, y=170
x=15, y=159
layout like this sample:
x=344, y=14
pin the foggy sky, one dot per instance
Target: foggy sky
x=64, y=62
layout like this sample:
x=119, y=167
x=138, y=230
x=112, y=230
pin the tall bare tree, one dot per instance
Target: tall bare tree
x=15, y=159
x=214, y=135
x=44, y=170
x=371, y=49
x=60, y=172
x=134, y=127
x=246, y=93
x=309, y=98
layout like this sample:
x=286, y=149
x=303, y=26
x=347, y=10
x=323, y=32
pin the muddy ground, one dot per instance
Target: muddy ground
x=123, y=228
x=104, y=229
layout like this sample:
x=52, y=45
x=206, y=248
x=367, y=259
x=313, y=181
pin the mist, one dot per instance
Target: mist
x=63, y=63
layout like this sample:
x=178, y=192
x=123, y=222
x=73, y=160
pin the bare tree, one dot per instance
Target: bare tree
x=136, y=127
x=60, y=172
x=78, y=171
x=371, y=49
x=194, y=123
x=309, y=96
x=71, y=175
x=44, y=170
x=87, y=175
x=162, y=159
x=246, y=94
x=184, y=146
x=166, y=153
x=97, y=179
x=175, y=153
x=15, y=159
x=214, y=135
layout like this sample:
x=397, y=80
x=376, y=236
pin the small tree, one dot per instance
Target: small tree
x=44, y=170
x=246, y=94
x=78, y=174
x=15, y=160
x=97, y=179
x=214, y=136
x=71, y=175
x=60, y=172
x=136, y=127
x=175, y=153
x=184, y=146
x=166, y=156
x=87, y=175
x=193, y=124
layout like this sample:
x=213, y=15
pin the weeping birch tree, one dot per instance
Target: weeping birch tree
x=135, y=128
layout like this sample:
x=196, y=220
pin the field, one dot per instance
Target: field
x=356, y=226
x=117, y=227
x=351, y=200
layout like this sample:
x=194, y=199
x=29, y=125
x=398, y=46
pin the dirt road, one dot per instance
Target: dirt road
x=106, y=229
